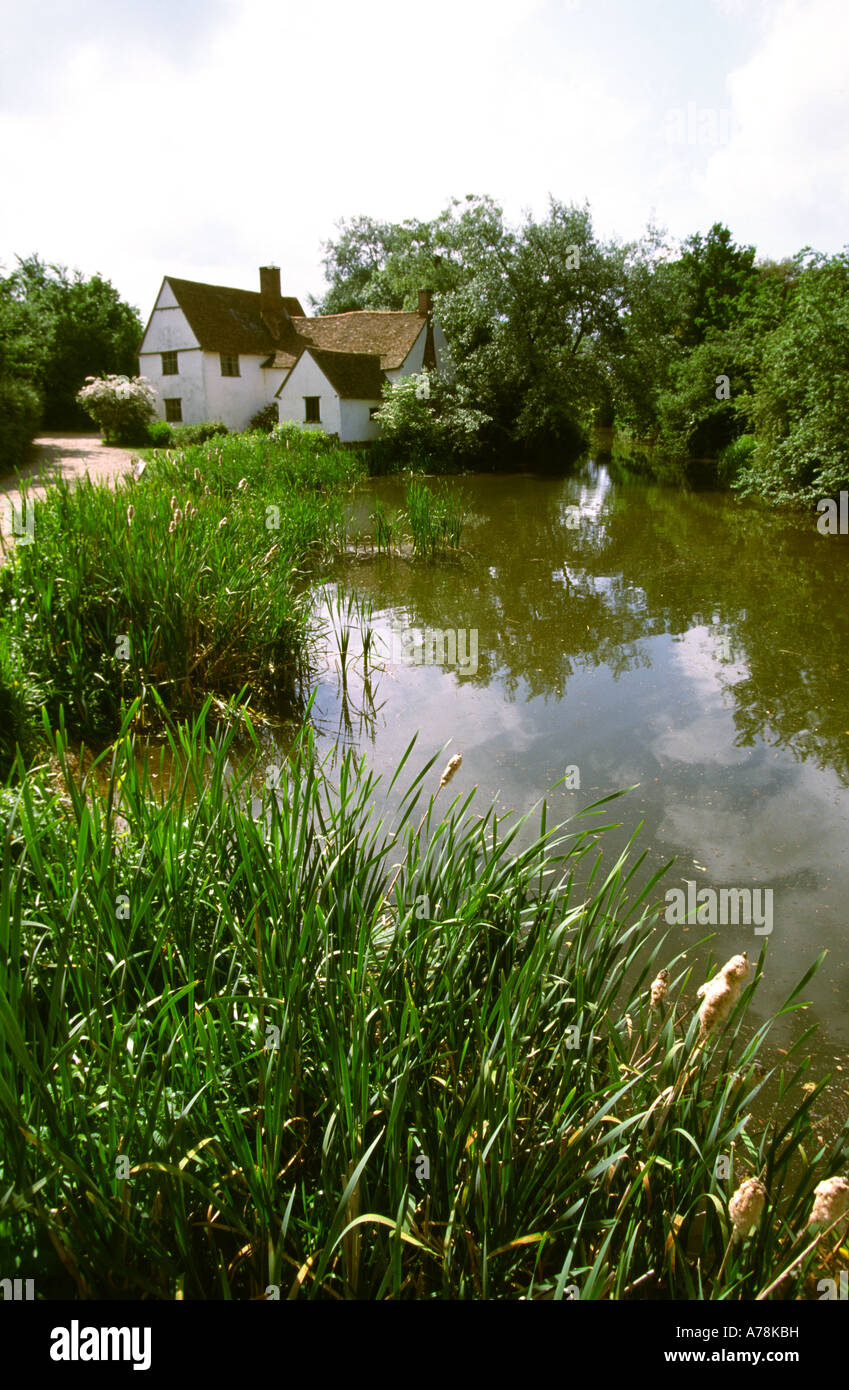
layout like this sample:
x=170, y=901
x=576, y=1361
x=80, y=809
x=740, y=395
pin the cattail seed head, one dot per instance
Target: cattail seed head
x=746, y=1206
x=659, y=989
x=450, y=769
x=197, y=475
x=178, y=517
x=131, y=511
x=171, y=527
x=243, y=482
x=831, y=1200
x=173, y=503
x=720, y=994
x=222, y=523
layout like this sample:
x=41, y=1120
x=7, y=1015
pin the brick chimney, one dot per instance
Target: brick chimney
x=426, y=312
x=271, y=305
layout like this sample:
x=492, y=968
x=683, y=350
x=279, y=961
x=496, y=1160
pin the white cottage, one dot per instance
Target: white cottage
x=213, y=353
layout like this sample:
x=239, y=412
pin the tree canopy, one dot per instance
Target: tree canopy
x=729, y=368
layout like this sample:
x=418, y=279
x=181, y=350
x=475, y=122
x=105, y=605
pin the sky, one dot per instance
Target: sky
x=204, y=138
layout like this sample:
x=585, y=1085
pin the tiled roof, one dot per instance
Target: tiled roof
x=356, y=376
x=226, y=320
x=389, y=334
x=353, y=350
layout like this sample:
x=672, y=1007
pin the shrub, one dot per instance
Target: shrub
x=160, y=434
x=122, y=406
x=425, y=422
x=20, y=416
x=197, y=434
x=736, y=457
x=298, y=437
x=266, y=418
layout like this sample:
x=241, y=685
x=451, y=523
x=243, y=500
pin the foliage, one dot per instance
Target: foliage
x=800, y=402
x=122, y=406
x=186, y=582
x=427, y=423
x=160, y=434
x=265, y=418
x=381, y=265
x=551, y=330
x=61, y=328
x=436, y=517
x=327, y=1084
x=715, y=276
x=20, y=416
x=201, y=433
x=736, y=457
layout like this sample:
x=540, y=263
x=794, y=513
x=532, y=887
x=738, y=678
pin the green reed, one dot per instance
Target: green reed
x=188, y=582
x=302, y=1043
x=436, y=517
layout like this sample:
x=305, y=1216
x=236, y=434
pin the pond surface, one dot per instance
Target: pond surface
x=636, y=634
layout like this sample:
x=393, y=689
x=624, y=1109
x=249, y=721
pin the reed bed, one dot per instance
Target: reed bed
x=289, y=1047
x=188, y=581
x=436, y=517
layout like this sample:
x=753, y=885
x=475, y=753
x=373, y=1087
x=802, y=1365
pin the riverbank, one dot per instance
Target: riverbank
x=294, y=1031
x=274, y=1073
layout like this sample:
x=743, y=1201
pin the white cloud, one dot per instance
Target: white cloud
x=783, y=179
x=147, y=152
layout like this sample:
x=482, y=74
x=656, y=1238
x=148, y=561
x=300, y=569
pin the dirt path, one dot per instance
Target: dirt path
x=57, y=456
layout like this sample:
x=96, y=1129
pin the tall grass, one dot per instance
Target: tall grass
x=243, y=1055
x=436, y=518
x=187, y=582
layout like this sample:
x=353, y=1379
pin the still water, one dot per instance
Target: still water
x=685, y=644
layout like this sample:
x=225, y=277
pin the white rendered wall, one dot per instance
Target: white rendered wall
x=234, y=399
x=187, y=386
x=413, y=361
x=307, y=379
x=169, y=331
x=356, y=425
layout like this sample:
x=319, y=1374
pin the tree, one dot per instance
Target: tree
x=716, y=278
x=532, y=329
x=65, y=328
x=800, y=401
x=382, y=265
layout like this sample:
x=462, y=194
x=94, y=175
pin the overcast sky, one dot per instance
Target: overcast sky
x=204, y=138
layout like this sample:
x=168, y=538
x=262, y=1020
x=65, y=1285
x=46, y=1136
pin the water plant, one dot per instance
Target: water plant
x=436, y=517
x=386, y=528
x=191, y=580
x=340, y=1044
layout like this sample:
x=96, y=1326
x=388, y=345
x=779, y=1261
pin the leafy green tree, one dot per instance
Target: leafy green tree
x=800, y=402
x=531, y=331
x=644, y=350
x=64, y=328
x=717, y=278
x=381, y=265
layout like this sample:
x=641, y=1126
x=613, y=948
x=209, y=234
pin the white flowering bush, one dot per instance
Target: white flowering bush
x=122, y=406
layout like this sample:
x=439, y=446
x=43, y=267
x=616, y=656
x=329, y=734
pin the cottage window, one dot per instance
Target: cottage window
x=173, y=410
x=229, y=364
x=312, y=415
x=169, y=364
